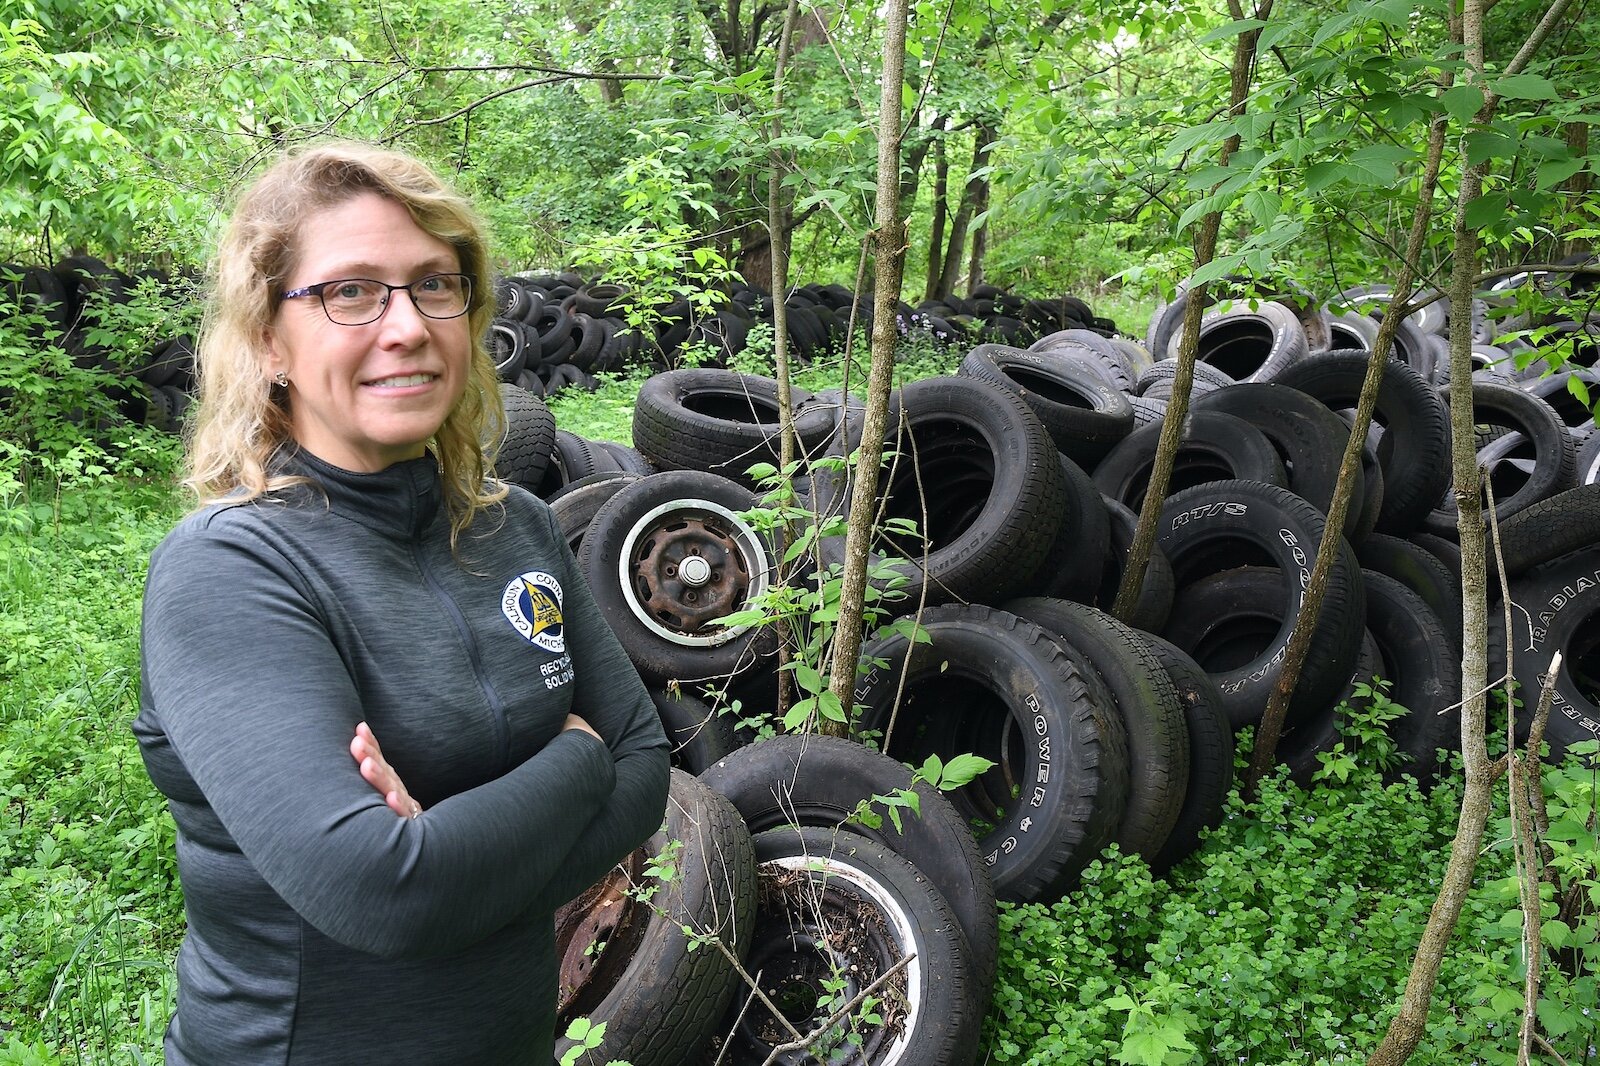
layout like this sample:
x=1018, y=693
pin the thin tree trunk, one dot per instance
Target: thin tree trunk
x=958, y=228
x=778, y=243
x=911, y=173
x=1410, y=1022
x=941, y=177
x=980, y=203
x=1205, y=249
x=889, y=245
x=1271, y=728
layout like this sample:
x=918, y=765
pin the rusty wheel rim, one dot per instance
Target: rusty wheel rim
x=685, y=564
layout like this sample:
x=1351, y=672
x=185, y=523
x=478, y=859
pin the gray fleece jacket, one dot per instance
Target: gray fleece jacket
x=322, y=927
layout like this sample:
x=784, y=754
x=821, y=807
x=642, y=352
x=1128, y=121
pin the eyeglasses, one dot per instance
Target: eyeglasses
x=357, y=301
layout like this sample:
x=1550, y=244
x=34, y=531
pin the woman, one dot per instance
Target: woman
x=353, y=575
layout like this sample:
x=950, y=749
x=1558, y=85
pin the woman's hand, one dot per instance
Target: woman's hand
x=574, y=722
x=380, y=775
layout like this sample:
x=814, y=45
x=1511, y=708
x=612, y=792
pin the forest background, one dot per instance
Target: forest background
x=1048, y=148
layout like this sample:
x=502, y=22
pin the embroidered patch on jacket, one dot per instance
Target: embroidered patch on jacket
x=532, y=604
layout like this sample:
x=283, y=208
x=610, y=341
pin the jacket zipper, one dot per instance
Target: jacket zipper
x=496, y=706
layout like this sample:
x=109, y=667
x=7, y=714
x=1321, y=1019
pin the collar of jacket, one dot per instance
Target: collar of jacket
x=401, y=500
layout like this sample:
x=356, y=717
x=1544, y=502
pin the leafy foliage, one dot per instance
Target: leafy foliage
x=1287, y=938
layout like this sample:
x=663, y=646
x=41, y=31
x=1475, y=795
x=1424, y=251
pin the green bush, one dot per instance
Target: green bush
x=1287, y=939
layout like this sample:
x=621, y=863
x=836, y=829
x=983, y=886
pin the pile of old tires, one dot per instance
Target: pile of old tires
x=554, y=331
x=68, y=303
x=1008, y=505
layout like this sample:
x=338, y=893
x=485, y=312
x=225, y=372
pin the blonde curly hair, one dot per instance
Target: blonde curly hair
x=241, y=421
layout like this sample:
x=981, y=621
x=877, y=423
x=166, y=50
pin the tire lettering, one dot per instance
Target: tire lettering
x=1208, y=510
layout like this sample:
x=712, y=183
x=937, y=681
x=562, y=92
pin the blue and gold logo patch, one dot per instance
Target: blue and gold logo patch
x=532, y=604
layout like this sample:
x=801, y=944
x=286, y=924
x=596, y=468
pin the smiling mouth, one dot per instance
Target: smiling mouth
x=402, y=381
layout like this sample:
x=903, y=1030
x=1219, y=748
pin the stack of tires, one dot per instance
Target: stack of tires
x=66, y=305
x=552, y=331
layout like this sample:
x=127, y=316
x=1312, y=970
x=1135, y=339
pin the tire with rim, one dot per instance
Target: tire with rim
x=837, y=912
x=661, y=996
x=666, y=557
x=988, y=683
x=822, y=781
x=1215, y=528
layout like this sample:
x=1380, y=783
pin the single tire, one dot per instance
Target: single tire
x=1414, y=450
x=978, y=476
x=1566, y=522
x=507, y=348
x=822, y=781
x=1533, y=463
x=529, y=438
x=1248, y=343
x=662, y=1000
x=630, y=460
x=1147, y=700
x=1076, y=563
x=575, y=505
x=1155, y=381
x=1215, y=447
x=990, y=684
x=698, y=734
x=837, y=912
x=1422, y=572
x=666, y=557
x=1083, y=415
x=1233, y=524
x=1307, y=436
x=1115, y=365
x=1588, y=465
x=1425, y=673
x=1154, y=605
x=719, y=421
x=1556, y=608
x=1351, y=331
x=1211, y=753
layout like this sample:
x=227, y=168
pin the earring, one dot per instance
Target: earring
x=281, y=380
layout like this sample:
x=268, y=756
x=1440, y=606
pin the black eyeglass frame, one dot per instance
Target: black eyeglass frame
x=320, y=287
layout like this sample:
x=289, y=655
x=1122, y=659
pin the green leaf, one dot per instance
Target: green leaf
x=1232, y=29
x=1321, y=175
x=1462, y=102
x=962, y=770
x=1262, y=206
x=1556, y=171
x=830, y=706
x=1486, y=209
x=808, y=679
x=1525, y=87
